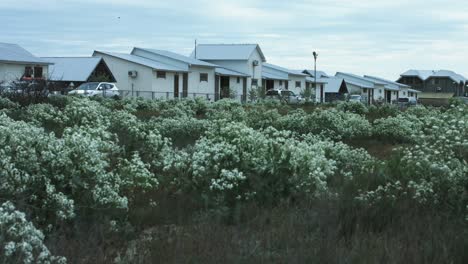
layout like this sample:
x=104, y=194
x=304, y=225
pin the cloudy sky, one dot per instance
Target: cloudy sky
x=375, y=37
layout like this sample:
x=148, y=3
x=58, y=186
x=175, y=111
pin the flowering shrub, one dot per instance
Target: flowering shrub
x=20, y=241
x=6, y=103
x=401, y=128
x=352, y=107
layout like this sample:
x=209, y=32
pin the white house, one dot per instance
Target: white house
x=276, y=77
x=401, y=90
x=139, y=76
x=328, y=88
x=246, y=59
x=371, y=90
x=17, y=63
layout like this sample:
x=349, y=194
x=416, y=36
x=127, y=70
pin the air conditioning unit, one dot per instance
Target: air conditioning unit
x=255, y=63
x=132, y=74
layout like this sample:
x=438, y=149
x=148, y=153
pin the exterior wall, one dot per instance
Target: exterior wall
x=292, y=84
x=162, y=87
x=236, y=87
x=446, y=84
x=197, y=88
x=279, y=84
x=11, y=72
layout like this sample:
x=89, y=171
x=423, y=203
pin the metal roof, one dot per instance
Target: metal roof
x=319, y=80
x=320, y=74
x=333, y=85
x=426, y=74
x=228, y=72
x=142, y=61
x=279, y=68
x=272, y=76
x=388, y=82
x=226, y=51
x=15, y=53
x=178, y=57
x=357, y=80
x=72, y=68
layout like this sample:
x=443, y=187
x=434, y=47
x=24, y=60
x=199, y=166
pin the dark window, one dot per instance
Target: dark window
x=37, y=72
x=254, y=82
x=364, y=90
x=161, y=75
x=281, y=83
x=238, y=79
x=436, y=81
x=298, y=84
x=28, y=71
x=203, y=77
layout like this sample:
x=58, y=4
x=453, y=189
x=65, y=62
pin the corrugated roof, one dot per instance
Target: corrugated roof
x=142, y=61
x=15, y=53
x=426, y=74
x=228, y=72
x=333, y=85
x=319, y=80
x=72, y=68
x=226, y=51
x=178, y=57
x=388, y=82
x=271, y=76
x=320, y=74
x=285, y=70
x=357, y=80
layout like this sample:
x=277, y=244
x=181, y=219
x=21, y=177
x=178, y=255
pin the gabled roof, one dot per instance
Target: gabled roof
x=387, y=82
x=320, y=74
x=228, y=72
x=226, y=51
x=72, y=68
x=140, y=60
x=357, y=80
x=178, y=57
x=333, y=84
x=426, y=74
x=279, y=68
x=13, y=53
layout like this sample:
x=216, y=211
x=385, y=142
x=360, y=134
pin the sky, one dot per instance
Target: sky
x=373, y=37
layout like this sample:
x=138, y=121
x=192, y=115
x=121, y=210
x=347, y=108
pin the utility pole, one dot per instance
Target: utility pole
x=315, y=74
x=195, y=48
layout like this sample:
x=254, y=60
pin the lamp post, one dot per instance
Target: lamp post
x=315, y=73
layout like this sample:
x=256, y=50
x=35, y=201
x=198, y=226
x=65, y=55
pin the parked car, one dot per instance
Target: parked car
x=283, y=95
x=355, y=98
x=96, y=89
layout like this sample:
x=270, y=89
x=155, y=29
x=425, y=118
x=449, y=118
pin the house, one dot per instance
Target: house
x=370, y=89
x=404, y=91
x=328, y=88
x=436, y=87
x=276, y=77
x=73, y=71
x=143, y=77
x=246, y=59
x=17, y=63
x=203, y=77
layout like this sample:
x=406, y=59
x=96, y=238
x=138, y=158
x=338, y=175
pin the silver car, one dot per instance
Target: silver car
x=283, y=95
x=96, y=89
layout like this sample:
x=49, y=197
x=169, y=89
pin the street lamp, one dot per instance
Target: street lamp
x=315, y=72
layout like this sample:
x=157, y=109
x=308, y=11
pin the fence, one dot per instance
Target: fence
x=171, y=95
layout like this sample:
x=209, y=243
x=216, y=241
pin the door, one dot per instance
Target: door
x=176, y=86
x=321, y=93
x=225, y=93
x=388, y=96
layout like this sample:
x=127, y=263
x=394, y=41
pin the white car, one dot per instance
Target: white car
x=355, y=98
x=96, y=89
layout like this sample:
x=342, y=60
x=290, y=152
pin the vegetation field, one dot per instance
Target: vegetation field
x=189, y=181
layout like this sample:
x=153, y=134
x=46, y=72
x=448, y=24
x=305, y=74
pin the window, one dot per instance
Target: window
x=281, y=83
x=364, y=90
x=37, y=72
x=436, y=81
x=254, y=82
x=161, y=75
x=298, y=84
x=238, y=79
x=404, y=93
x=28, y=71
x=203, y=77
x=380, y=91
